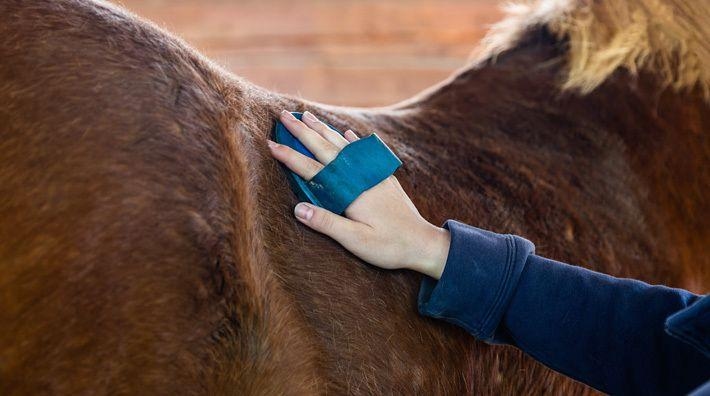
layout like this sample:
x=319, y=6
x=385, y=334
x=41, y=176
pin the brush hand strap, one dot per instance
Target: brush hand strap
x=358, y=167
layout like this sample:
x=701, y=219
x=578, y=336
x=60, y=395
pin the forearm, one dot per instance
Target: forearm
x=604, y=331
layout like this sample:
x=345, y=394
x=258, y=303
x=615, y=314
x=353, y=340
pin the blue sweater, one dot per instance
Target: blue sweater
x=620, y=336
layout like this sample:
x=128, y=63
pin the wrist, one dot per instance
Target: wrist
x=432, y=251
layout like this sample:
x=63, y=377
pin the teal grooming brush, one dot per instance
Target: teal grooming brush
x=358, y=167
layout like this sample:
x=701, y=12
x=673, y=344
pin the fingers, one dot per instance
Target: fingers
x=350, y=136
x=324, y=130
x=303, y=166
x=340, y=228
x=323, y=150
x=321, y=140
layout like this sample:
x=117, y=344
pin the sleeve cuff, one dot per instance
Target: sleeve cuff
x=478, y=281
x=692, y=325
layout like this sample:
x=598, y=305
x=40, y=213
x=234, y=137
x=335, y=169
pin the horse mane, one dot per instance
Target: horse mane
x=670, y=39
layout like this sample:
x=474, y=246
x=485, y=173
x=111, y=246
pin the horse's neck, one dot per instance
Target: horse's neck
x=499, y=145
x=625, y=159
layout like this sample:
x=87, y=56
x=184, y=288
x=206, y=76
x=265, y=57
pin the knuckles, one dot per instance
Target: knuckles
x=323, y=222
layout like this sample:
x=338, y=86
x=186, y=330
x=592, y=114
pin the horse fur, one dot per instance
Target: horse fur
x=148, y=246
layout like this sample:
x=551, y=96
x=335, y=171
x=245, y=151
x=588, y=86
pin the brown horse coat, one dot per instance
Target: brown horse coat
x=147, y=243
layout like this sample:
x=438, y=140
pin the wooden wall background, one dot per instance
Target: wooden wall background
x=343, y=52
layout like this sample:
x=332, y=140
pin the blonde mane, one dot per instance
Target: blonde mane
x=670, y=38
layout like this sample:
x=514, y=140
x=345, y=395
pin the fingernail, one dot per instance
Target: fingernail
x=271, y=143
x=287, y=114
x=303, y=211
x=310, y=117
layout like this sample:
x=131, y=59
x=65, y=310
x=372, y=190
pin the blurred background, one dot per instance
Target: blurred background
x=341, y=52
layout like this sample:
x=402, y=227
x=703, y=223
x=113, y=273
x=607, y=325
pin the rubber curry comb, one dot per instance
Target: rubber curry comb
x=358, y=167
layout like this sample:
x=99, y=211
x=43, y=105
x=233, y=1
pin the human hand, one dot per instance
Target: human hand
x=382, y=226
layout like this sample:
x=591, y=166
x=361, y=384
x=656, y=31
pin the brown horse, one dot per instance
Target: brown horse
x=147, y=244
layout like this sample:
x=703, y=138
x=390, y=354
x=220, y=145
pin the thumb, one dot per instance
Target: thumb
x=325, y=221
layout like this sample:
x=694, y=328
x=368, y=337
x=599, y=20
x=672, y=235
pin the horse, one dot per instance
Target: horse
x=147, y=242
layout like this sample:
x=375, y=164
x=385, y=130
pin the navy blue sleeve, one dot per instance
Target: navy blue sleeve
x=606, y=332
